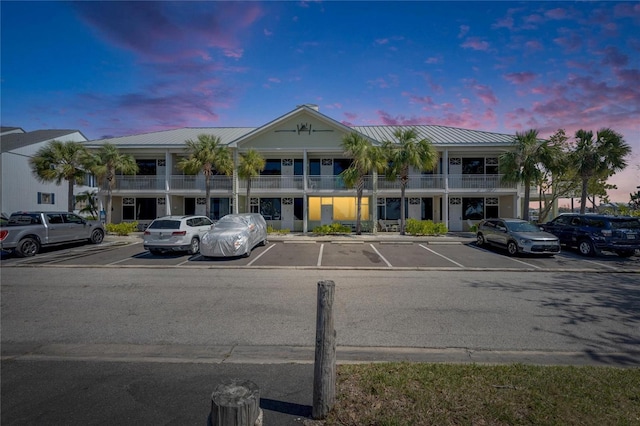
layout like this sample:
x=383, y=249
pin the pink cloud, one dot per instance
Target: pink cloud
x=614, y=58
x=475, y=43
x=533, y=45
x=627, y=10
x=556, y=14
x=569, y=40
x=485, y=93
x=519, y=77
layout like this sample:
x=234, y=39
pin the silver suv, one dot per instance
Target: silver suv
x=517, y=236
x=176, y=233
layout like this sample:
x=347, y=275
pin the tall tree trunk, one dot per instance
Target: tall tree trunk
x=403, y=187
x=583, y=196
x=207, y=195
x=70, y=203
x=359, y=210
x=248, y=201
x=527, y=200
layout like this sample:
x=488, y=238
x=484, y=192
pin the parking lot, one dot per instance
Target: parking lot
x=306, y=254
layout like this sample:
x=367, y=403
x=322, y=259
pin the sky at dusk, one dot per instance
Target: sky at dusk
x=120, y=68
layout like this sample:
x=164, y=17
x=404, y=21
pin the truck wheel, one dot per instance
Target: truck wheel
x=27, y=247
x=586, y=248
x=96, y=236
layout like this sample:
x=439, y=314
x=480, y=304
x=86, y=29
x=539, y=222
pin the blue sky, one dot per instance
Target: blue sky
x=119, y=68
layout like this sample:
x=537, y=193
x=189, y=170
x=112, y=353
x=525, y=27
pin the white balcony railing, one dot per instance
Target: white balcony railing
x=273, y=183
x=314, y=183
x=185, y=182
x=479, y=182
x=139, y=183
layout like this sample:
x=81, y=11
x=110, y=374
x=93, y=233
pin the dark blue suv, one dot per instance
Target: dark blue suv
x=592, y=233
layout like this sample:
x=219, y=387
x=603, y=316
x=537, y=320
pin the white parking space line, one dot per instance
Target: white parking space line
x=381, y=256
x=604, y=265
x=444, y=257
x=320, y=255
x=261, y=254
x=524, y=263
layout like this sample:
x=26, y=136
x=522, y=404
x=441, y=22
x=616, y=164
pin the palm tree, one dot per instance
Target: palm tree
x=58, y=161
x=88, y=196
x=525, y=163
x=209, y=156
x=598, y=158
x=251, y=164
x=408, y=151
x=365, y=157
x=104, y=164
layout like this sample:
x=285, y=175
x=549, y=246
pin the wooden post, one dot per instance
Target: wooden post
x=324, y=375
x=236, y=403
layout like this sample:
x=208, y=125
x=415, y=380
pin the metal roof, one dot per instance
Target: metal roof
x=438, y=135
x=12, y=141
x=173, y=138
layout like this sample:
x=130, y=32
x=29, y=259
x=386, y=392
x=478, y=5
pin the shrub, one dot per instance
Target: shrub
x=424, y=227
x=123, y=228
x=272, y=230
x=334, y=228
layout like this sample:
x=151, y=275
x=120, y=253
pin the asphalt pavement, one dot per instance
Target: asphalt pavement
x=137, y=384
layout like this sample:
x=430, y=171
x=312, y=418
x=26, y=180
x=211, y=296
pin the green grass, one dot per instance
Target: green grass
x=393, y=394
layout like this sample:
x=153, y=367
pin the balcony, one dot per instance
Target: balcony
x=273, y=183
x=138, y=183
x=315, y=183
x=415, y=182
x=196, y=183
x=479, y=182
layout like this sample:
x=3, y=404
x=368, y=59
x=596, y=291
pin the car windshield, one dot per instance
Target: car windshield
x=232, y=222
x=625, y=224
x=522, y=227
x=165, y=224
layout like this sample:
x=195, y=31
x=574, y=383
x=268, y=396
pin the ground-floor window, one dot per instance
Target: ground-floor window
x=343, y=208
x=477, y=208
x=389, y=208
x=271, y=208
x=139, y=208
x=220, y=207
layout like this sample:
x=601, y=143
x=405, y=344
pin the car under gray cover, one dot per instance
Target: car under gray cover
x=234, y=235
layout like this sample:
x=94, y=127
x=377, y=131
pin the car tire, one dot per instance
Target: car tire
x=586, y=248
x=97, y=236
x=195, y=246
x=512, y=248
x=626, y=253
x=27, y=247
x=480, y=241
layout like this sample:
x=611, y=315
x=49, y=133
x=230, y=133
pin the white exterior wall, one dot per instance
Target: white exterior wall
x=19, y=188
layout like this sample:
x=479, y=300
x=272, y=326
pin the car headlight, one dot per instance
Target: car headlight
x=525, y=242
x=239, y=242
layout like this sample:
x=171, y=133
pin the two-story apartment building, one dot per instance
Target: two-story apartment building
x=301, y=187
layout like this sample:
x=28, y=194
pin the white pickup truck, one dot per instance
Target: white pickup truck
x=26, y=232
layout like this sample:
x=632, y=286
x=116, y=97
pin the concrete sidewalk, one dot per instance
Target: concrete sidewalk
x=383, y=237
x=93, y=384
